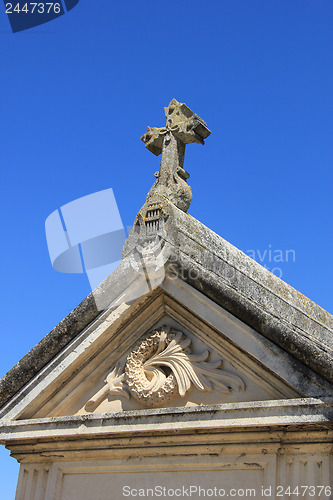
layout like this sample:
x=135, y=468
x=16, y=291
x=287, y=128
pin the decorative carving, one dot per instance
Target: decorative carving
x=182, y=127
x=161, y=367
x=149, y=226
x=114, y=386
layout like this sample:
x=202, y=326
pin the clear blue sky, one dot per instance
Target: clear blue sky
x=77, y=94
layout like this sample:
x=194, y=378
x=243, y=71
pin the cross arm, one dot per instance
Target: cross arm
x=182, y=123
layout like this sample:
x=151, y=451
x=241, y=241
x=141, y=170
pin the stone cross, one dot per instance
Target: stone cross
x=182, y=127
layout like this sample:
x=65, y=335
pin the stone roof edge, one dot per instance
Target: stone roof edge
x=227, y=276
x=246, y=265
x=252, y=293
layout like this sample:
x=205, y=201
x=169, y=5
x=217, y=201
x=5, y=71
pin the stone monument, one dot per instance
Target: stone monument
x=201, y=375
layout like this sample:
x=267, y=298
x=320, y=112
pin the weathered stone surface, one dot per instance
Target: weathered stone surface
x=242, y=286
x=289, y=413
x=182, y=127
x=217, y=269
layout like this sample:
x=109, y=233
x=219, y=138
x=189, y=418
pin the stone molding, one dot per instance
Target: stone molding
x=299, y=413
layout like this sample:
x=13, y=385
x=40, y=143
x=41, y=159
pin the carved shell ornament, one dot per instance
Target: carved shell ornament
x=161, y=367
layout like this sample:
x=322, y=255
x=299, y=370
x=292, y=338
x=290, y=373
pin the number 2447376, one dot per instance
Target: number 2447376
x=31, y=8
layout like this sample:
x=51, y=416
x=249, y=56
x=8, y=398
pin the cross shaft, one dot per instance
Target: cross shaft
x=182, y=127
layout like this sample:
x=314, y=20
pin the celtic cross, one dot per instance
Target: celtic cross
x=182, y=127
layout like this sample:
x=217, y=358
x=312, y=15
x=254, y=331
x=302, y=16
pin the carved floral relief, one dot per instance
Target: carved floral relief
x=162, y=367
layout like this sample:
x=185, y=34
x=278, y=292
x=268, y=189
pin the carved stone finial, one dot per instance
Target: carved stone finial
x=182, y=127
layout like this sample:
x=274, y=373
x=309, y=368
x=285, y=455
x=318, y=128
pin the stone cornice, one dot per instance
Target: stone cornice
x=304, y=412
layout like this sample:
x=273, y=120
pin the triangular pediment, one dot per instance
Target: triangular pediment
x=173, y=348
x=168, y=366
